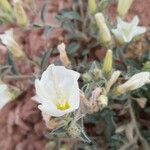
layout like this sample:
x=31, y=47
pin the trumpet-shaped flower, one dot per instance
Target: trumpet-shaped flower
x=5, y=95
x=135, y=82
x=57, y=91
x=8, y=39
x=125, y=32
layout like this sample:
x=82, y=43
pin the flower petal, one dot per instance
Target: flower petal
x=54, y=112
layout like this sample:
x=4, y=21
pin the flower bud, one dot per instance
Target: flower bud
x=107, y=64
x=105, y=36
x=86, y=78
x=102, y=101
x=96, y=73
x=51, y=145
x=63, y=55
x=30, y=2
x=73, y=130
x=146, y=66
x=112, y=80
x=7, y=94
x=123, y=6
x=4, y=4
x=8, y=40
x=92, y=6
x=20, y=14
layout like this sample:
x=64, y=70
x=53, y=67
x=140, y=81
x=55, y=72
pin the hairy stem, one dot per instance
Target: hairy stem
x=143, y=141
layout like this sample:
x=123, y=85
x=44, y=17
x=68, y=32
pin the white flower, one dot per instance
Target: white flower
x=8, y=39
x=5, y=95
x=125, y=31
x=135, y=82
x=57, y=91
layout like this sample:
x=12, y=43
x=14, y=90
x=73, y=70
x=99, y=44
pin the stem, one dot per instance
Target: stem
x=19, y=77
x=74, y=7
x=81, y=12
x=143, y=141
x=5, y=67
x=126, y=146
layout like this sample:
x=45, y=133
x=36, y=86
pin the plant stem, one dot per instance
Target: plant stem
x=81, y=12
x=143, y=141
x=19, y=77
x=126, y=146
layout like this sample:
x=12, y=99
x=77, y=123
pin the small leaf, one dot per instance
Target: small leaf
x=73, y=47
x=47, y=30
x=11, y=62
x=103, y=4
x=85, y=52
x=83, y=136
x=73, y=15
x=37, y=26
x=68, y=25
x=43, y=10
x=4, y=70
x=44, y=62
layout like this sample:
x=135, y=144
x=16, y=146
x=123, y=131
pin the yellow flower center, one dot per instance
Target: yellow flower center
x=63, y=106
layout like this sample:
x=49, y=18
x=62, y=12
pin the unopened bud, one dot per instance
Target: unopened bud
x=105, y=36
x=146, y=66
x=107, y=64
x=73, y=130
x=112, y=80
x=86, y=78
x=92, y=6
x=30, y=2
x=20, y=14
x=51, y=145
x=6, y=7
x=123, y=6
x=96, y=73
x=102, y=101
x=8, y=39
x=63, y=55
x=7, y=94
